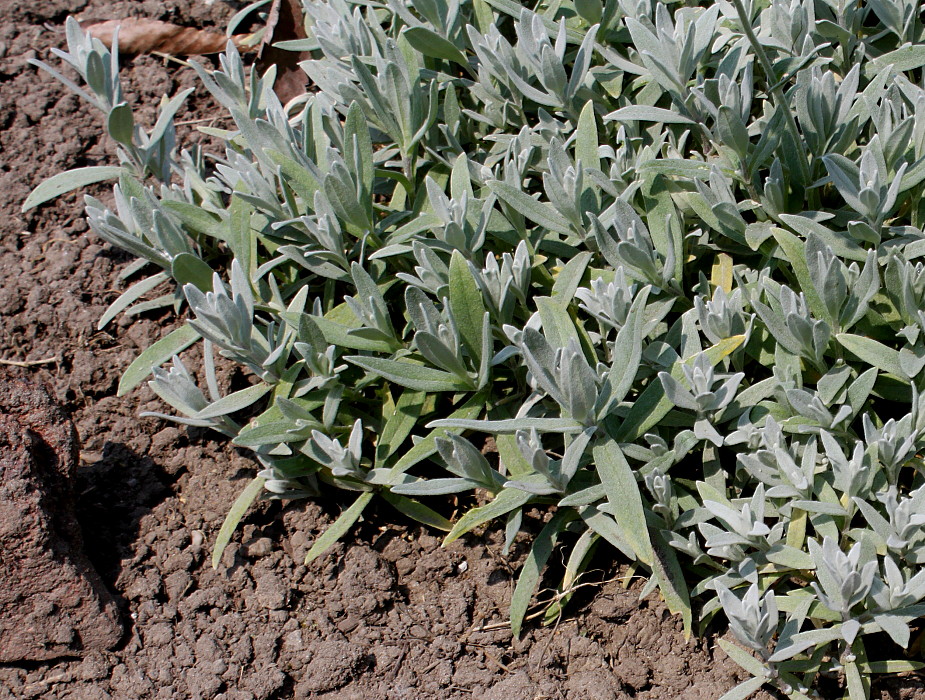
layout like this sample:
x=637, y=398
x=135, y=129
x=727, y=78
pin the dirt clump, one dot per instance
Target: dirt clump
x=52, y=602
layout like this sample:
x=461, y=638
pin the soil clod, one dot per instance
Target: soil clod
x=52, y=602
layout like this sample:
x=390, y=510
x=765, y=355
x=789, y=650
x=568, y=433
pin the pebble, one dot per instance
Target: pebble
x=260, y=547
x=270, y=592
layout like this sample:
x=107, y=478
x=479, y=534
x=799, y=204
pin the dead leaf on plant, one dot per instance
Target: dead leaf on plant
x=140, y=35
x=284, y=23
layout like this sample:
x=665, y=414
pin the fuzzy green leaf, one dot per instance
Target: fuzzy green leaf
x=417, y=511
x=643, y=113
x=529, y=577
x=156, y=355
x=412, y=376
x=506, y=501
x=873, y=352
x=428, y=445
x=186, y=268
x=69, y=181
x=244, y=501
x=339, y=528
x=511, y=425
x=432, y=44
x=237, y=401
x=399, y=424
x=624, y=497
x=537, y=211
x=467, y=305
x=653, y=405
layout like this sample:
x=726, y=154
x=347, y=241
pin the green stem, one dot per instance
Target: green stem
x=780, y=102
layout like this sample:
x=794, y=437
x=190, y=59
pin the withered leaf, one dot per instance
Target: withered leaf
x=284, y=23
x=138, y=35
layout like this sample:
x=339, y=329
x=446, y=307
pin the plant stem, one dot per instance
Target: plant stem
x=780, y=102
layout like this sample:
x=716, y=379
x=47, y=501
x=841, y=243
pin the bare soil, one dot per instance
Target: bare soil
x=388, y=614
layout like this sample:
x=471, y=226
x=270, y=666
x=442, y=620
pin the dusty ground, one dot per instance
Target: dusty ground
x=387, y=614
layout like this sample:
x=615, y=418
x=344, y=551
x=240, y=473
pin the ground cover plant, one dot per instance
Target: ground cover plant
x=667, y=257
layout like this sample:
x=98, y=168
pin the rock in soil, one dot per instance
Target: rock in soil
x=52, y=602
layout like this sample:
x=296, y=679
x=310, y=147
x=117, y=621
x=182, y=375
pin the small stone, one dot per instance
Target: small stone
x=331, y=666
x=158, y=635
x=93, y=668
x=145, y=587
x=177, y=584
x=178, y=561
x=260, y=547
x=271, y=593
x=292, y=642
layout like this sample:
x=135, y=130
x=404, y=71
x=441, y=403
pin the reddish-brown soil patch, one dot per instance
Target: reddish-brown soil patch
x=389, y=613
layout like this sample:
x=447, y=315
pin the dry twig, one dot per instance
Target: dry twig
x=28, y=363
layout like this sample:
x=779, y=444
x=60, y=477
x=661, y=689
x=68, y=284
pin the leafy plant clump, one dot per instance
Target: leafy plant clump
x=669, y=257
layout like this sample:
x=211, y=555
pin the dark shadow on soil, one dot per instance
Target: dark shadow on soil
x=113, y=495
x=900, y=688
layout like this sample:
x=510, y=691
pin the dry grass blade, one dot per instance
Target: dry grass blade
x=140, y=35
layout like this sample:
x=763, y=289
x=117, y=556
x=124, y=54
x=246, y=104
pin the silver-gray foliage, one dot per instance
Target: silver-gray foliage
x=668, y=257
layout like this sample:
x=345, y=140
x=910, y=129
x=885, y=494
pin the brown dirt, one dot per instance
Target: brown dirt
x=52, y=602
x=389, y=613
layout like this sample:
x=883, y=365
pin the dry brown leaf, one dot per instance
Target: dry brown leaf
x=284, y=22
x=140, y=35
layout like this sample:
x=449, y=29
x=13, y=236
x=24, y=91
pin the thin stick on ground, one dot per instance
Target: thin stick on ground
x=29, y=363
